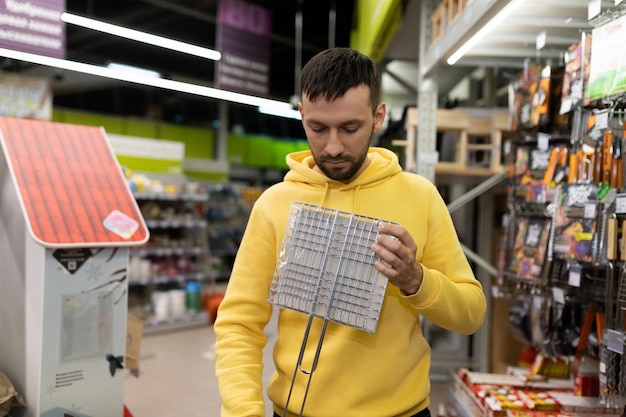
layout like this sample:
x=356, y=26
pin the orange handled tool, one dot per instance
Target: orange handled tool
x=552, y=162
x=607, y=155
x=574, y=161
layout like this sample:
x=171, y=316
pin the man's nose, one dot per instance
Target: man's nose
x=334, y=146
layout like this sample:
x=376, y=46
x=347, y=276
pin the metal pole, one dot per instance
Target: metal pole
x=298, y=63
x=476, y=191
x=332, y=21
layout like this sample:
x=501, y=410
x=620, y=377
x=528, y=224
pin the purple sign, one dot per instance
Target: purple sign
x=245, y=16
x=243, y=37
x=33, y=26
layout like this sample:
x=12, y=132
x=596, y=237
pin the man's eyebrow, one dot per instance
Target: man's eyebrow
x=345, y=122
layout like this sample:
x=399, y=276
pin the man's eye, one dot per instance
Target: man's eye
x=350, y=129
x=317, y=129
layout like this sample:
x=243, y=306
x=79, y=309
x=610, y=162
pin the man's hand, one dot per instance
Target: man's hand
x=397, y=249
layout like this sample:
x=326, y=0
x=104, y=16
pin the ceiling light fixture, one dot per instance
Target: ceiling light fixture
x=282, y=110
x=141, y=36
x=133, y=69
x=132, y=77
x=488, y=27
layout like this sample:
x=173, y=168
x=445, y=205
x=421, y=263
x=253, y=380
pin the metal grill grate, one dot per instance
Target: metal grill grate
x=326, y=267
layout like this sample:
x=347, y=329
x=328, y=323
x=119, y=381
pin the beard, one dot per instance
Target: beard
x=341, y=174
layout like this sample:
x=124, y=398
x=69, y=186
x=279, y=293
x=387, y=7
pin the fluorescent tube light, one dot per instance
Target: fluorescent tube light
x=131, y=77
x=488, y=27
x=282, y=110
x=134, y=70
x=140, y=36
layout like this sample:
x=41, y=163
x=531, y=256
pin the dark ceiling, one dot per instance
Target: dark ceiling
x=192, y=21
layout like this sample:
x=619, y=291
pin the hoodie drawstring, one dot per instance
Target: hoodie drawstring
x=354, y=197
x=326, y=191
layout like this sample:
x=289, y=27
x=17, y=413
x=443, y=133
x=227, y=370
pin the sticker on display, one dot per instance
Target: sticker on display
x=72, y=259
x=121, y=224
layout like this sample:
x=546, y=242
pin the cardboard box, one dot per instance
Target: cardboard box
x=134, y=332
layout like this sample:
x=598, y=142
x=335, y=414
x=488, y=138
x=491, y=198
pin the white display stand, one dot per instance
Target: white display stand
x=67, y=220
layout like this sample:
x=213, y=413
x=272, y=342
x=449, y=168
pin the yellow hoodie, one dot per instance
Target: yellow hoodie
x=384, y=374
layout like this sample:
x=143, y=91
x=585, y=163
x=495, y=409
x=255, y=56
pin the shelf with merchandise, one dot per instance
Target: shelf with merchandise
x=154, y=325
x=168, y=274
x=163, y=278
x=471, y=141
x=226, y=215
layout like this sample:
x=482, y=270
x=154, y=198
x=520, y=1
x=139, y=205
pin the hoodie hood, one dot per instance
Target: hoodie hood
x=382, y=164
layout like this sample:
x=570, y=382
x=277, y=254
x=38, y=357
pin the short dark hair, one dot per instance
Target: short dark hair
x=332, y=72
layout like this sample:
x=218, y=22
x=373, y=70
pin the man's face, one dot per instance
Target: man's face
x=339, y=131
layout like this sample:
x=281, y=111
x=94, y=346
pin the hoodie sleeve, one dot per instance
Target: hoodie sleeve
x=241, y=320
x=450, y=296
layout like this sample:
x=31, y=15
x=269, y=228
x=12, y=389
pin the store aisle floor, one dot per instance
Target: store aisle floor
x=177, y=376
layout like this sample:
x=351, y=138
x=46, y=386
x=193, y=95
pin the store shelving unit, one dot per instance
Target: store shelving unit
x=578, y=265
x=168, y=273
x=226, y=216
x=477, y=147
x=444, y=28
x=195, y=231
x=462, y=398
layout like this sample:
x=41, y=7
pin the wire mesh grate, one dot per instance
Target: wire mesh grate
x=326, y=267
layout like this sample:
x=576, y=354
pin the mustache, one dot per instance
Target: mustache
x=326, y=158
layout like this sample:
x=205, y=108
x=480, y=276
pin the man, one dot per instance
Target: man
x=384, y=374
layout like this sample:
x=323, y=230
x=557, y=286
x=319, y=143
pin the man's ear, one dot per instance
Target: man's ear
x=379, y=116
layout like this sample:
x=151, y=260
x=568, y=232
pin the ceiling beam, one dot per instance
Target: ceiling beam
x=517, y=38
x=518, y=52
x=405, y=84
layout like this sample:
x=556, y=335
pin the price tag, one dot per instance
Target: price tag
x=495, y=291
x=620, y=204
x=507, y=147
x=543, y=141
x=574, y=275
x=541, y=40
x=602, y=119
x=589, y=211
x=566, y=106
x=558, y=295
x=615, y=341
x=506, y=220
x=594, y=8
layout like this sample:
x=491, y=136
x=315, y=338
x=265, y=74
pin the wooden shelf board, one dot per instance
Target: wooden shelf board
x=480, y=146
x=455, y=169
